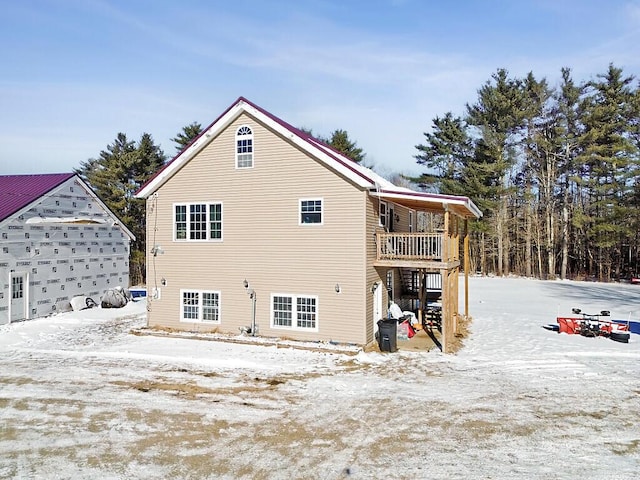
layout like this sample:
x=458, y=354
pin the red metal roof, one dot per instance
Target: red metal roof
x=333, y=153
x=363, y=176
x=18, y=191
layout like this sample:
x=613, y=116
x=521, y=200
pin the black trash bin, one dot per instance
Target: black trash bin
x=388, y=335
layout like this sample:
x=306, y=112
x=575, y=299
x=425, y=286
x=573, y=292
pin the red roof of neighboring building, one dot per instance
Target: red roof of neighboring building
x=18, y=191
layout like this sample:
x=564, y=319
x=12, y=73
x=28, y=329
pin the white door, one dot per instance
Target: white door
x=377, y=306
x=18, y=296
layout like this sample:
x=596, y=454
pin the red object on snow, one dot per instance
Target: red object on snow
x=569, y=325
x=576, y=325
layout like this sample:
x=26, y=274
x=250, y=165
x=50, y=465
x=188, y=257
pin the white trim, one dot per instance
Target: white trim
x=439, y=200
x=202, y=141
x=294, y=313
x=235, y=147
x=208, y=222
x=384, y=225
x=26, y=291
x=311, y=199
x=377, y=306
x=314, y=149
x=116, y=220
x=200, y=306
x=354, y=172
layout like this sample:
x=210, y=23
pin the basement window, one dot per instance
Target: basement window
x=200, y=306
x=294, y=312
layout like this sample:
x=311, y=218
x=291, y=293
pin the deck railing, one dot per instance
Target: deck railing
x=409, y=246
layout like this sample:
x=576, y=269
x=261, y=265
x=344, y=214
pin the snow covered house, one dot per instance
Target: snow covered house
x=258, y=226
x=57, y=241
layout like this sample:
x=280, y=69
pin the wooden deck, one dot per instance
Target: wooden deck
x=430, y=251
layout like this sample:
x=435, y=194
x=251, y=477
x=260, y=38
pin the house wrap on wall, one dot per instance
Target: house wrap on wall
x=257, y=222
x=57, y=240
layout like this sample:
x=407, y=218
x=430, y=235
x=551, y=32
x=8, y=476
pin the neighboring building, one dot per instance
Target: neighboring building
x=57, y=240
x=256, y=221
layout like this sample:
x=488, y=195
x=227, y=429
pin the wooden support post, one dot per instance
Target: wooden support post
x=447, y=327
x=421, y=298
x=446, y=312
x=466, y=268
x=446, y=247
x=455, y=291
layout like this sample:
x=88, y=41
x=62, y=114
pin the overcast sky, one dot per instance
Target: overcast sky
x=74, y=73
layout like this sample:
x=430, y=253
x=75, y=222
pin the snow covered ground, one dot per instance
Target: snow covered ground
x=82, y=398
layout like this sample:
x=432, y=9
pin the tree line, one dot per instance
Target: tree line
x=554, y=169
x=125, y=165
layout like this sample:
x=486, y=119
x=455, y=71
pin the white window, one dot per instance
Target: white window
x=197, y=221
x=295, y=312
x=411, y=221
x=215, y=221
x=311, y=211
x=244, y=147
x=180, y=222
x=383, y=214
x=199, y=306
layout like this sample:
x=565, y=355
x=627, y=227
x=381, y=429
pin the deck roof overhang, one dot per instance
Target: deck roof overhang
x=430, y=202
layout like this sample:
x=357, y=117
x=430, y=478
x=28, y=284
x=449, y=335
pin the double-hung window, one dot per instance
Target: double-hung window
x=295, y=312
x=244, y=147
x=215, y=221
x=384, y=220
x=199, y=306
x=198, y=221
x=311, y=211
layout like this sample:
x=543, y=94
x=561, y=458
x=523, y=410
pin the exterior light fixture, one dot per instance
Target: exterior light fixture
x=374, y=287
x=337, y=288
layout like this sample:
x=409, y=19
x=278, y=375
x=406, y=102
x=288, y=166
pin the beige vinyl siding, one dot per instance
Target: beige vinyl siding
x=378, y=274
x=262, y=239
x=402, y=225
x=374, y=274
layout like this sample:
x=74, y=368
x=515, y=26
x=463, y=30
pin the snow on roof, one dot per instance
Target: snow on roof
x=18, y=191
x=358, y=174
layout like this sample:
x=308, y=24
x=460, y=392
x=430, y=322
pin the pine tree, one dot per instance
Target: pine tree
x=447, y=151
x=187, y=135
x=564, y=134
x=609, y=161
x=115, y=176
x=341, y=142
x=497, y=116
